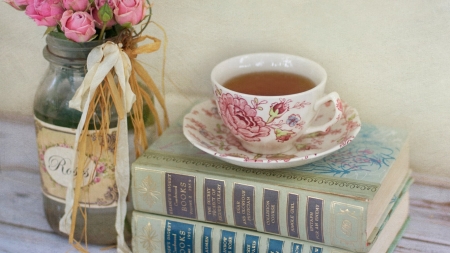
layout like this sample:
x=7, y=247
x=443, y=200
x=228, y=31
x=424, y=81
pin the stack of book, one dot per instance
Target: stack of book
x=353, y=200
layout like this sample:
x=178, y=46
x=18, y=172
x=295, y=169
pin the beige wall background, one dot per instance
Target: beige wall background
x=389, y=59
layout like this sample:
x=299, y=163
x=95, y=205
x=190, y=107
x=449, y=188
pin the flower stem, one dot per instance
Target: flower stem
x=148, y=20
x=102, y=31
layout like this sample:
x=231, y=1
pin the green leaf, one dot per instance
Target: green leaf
x=59, y=35
x=127, y=25
x=49, y=30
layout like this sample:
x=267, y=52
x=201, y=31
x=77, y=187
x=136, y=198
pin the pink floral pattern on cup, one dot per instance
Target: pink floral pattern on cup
x=270, y=124
x=242, y=118
x=204, y=128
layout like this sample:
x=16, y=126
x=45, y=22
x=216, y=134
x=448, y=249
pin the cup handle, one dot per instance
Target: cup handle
x=334, y=97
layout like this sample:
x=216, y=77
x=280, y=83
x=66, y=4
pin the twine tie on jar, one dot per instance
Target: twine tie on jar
x=106, y=64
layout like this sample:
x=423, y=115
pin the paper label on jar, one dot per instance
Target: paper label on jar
x=55, y=150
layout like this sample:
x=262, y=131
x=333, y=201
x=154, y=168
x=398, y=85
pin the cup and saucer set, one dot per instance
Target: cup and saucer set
x=280, y=130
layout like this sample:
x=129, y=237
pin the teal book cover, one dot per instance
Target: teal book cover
x=338, y=200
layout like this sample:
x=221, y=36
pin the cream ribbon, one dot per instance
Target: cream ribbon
x=101, y=60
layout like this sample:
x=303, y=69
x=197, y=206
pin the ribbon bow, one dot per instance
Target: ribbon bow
x=98, y=85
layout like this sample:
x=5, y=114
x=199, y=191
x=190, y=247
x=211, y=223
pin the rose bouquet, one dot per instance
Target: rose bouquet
x=115, y=84
x=84, y=20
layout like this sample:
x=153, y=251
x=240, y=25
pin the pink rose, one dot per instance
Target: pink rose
x=100, y=168
x=76, y=5
x=78, y=26
x=98, y=5
x=17, y=4
x=241, y=119
x=45, y=12
x=129, y=11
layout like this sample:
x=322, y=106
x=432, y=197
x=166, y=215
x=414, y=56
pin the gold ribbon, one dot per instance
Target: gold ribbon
x=106, y=64
x=132, y=50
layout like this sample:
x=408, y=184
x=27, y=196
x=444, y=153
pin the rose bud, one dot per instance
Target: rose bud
x=101, y=13
x=277, y=109
x=77, y=26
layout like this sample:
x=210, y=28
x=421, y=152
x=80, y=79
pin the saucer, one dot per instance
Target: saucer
x=204, y=128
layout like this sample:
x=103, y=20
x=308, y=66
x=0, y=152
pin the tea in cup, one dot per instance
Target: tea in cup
x=269, y=100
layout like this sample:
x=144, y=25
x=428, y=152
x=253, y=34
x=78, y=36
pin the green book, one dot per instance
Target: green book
x=164, y=234
x=337, y=201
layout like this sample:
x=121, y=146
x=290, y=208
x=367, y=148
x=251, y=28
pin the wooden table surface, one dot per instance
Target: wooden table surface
x=23, y=227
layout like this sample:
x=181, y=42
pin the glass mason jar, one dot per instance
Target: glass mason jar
x=55, y=133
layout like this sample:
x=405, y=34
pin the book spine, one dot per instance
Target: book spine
x=154, y=233
x=288, y=212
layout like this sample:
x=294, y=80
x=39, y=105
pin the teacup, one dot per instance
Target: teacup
x=271, y=124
